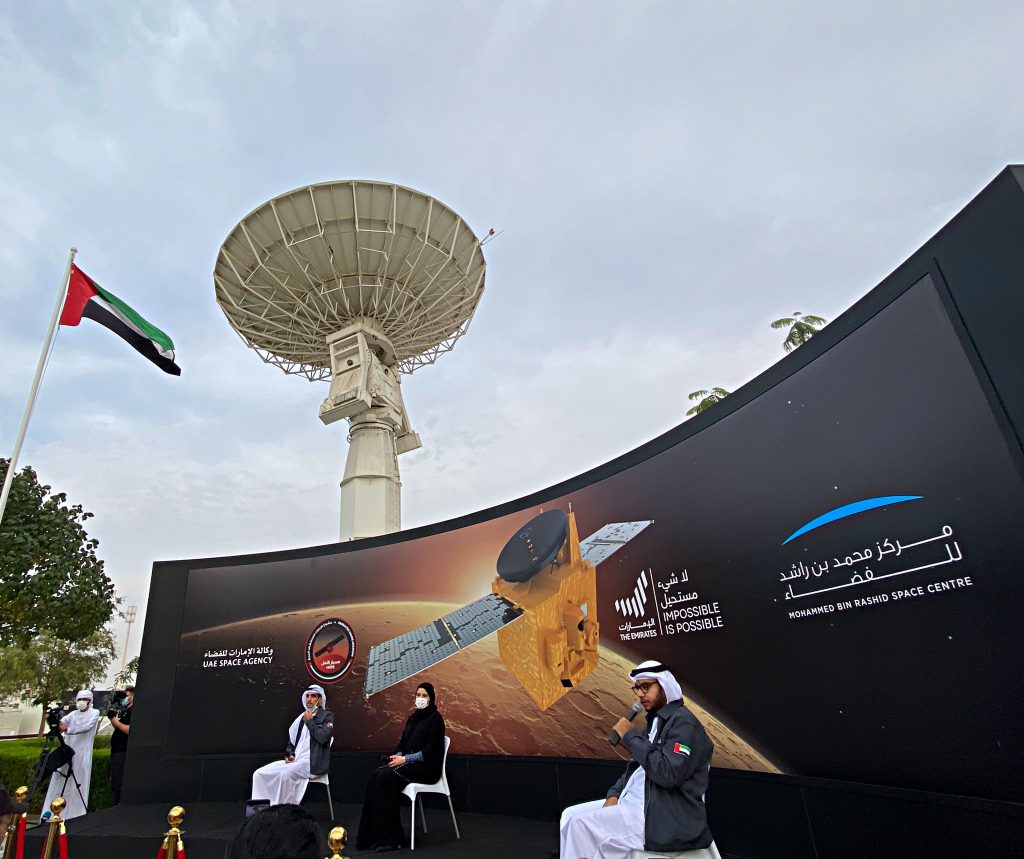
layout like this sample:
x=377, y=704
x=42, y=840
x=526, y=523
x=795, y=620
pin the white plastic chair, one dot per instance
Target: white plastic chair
x=413, y=791
x=709, y=852
x=325, y=780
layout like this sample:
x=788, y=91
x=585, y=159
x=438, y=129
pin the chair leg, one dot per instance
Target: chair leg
x=454, y=823
x=423, y=814
x=412, y=824
x=330, y=802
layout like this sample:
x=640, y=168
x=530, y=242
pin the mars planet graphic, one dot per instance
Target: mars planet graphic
x=486, y=710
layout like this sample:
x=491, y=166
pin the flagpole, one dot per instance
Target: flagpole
x=12, y=466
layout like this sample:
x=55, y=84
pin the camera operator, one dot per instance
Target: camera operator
x=120, y=715
x=79, y=729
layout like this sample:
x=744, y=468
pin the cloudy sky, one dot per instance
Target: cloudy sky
x=667, y=178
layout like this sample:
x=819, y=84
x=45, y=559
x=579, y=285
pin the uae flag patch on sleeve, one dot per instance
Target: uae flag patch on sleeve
x=680, y=749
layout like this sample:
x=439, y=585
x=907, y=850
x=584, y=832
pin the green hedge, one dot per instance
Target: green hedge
x=18, y=760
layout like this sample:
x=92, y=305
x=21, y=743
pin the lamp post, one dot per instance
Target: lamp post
x=129, y=617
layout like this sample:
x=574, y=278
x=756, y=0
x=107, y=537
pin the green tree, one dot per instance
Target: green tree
x=707, y=399
x=127, y=674
x=801, y=329
x=49, y=666
x=50, y=577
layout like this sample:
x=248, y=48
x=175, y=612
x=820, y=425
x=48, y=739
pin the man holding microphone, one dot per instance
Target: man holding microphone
x=658, y=802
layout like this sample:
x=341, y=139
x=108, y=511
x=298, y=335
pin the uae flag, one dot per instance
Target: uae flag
x=87, y=298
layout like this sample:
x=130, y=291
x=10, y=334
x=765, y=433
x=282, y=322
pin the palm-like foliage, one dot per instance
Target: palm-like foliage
x=707, y=400
x=127, y=674
x=801, y=329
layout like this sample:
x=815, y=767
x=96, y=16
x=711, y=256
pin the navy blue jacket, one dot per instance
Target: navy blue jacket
x=676, y=778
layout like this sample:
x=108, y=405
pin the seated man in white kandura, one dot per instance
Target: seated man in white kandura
x=658, y=803
x=307, y=754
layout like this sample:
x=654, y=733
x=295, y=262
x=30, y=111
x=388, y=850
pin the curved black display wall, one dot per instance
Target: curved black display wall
x=829, y=559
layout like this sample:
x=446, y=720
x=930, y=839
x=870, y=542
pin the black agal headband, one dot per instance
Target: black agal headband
x=653, y=669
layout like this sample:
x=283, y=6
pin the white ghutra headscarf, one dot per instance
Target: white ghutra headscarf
x=293, y=730
x=654, y=670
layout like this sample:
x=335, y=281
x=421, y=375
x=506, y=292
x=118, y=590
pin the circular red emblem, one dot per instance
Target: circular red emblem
x=330, y=650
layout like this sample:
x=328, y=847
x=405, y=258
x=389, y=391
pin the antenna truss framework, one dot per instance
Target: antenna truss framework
x=312, y=261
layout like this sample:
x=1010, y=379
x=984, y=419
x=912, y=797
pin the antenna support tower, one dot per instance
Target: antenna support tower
x=357, y=282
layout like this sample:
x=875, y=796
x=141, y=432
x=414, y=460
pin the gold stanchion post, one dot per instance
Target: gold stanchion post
x=336, y=841
x=20, y=824
x=174, y=839
x=11, y=835
x=53, y=827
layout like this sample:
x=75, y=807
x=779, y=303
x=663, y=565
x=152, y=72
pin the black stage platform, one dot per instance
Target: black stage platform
x=748, y=825
x=137, y=830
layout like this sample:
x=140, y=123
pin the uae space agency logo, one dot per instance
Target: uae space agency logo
x=330, y=650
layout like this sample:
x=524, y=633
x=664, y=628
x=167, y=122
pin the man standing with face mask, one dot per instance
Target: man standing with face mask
x=308, y=753
x=79, y=729
x=658, y=802
x=121, y=722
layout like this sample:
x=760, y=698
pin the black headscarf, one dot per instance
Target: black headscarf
x=431, y=707
x=424, y=732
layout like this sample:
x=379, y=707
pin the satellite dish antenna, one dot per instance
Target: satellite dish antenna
x=357, y=282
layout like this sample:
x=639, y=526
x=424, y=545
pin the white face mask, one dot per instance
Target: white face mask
x=82, y=705
x=422, y=703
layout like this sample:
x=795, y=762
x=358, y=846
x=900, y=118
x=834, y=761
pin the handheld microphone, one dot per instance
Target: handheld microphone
x=613, y=737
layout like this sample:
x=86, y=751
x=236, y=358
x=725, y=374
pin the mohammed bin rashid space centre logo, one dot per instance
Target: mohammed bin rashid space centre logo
x=330, y=650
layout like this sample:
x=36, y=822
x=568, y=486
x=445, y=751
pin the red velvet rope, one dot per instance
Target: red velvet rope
x=19, y=838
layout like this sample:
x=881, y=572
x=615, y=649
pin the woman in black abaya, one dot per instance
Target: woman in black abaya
x=418, y=757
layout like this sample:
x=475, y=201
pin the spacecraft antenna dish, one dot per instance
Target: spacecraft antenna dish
x=534, y=546
x=357, y=282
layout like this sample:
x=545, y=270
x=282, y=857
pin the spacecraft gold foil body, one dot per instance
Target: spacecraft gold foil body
x=553, y=646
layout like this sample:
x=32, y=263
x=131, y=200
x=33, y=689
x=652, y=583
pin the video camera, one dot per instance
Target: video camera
x=55, y=714
x=55, y=753
x=117, y=705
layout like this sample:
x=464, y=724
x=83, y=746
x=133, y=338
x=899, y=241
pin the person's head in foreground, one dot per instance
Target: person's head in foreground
x=83, y=701
x=654, y=685
x=9, y=810
x=425, y=699
x=277, y=832
x=313, y=698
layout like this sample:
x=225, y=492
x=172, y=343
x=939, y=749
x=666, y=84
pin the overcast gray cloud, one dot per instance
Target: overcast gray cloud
x=668, y=178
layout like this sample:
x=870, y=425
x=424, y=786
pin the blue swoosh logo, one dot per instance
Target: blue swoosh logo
x=850, y=510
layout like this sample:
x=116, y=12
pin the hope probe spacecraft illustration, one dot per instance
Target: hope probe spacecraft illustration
x=543, y=605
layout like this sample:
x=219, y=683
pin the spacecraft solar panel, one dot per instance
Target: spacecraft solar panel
x=414, y=651
x=608, y=539
x=480, y=618
x=408, y=654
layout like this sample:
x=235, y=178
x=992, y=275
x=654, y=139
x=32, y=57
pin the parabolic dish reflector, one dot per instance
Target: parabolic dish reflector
x=316, y=259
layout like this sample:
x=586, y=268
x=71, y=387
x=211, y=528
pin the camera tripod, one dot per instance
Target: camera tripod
x=53, y=743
